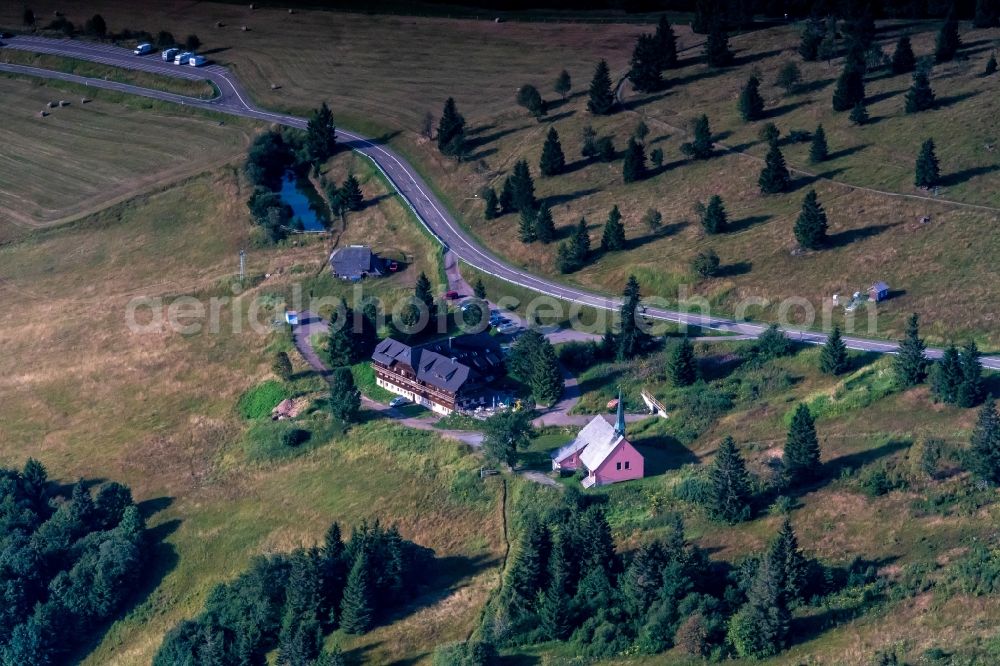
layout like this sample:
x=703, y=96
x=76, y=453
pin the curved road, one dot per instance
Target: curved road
x=233, y=99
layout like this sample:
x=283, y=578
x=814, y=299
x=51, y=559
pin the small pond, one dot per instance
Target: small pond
x=309, y=210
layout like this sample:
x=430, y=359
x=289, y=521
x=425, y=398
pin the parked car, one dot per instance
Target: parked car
x=393, y=266
x=398, y=401
x=451, y=295
x=197, y=60
x=143, y=49
x=508, y=328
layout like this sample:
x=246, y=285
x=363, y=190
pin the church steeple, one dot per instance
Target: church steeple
x=620, y=421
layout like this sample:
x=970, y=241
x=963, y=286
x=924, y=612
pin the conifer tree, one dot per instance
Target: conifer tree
x=903, y=60
x=554, y=601
x=529, y=97
x=642, y=581
x=946, y=376
x=351, y=193
x=563, y=84
x=423, y=292
x=713, y=216
x=529, y=564
x=614, y=232
x=705, y=11
x=282, y=366
x=526, y=230
x=850, y=88
x=546, y=381
x=948, y=42
x=785, y=552
x=553, y=161
x=345, y=399
x=970, y=391
x=927, y=172
x=859, y=114
x=751, y=104
x=700, y=147
x=602, y=97
x=987, y=14
x=812, y=36
x=574, y=252
x=909, y=364
x=760, y=628
x=451, y=130
x=919, y=97
x=789, y=77
x=833, y=358
x=522, y=188
x=666, y=43
x=810, y=227
x=682, y=366
x=479, y=289
x=706, y=263
x=507, y=196
x=321, y=136
x=631, y=340
x=801, y=456
x=544, y=226
x=634, y=164
x=491, y=204
x=357, y=611
x=984, y=449
x=818, y=151
x=644, y=71
x=300, y=638
x=340, y=343
x=774, y=178
x=730, y=484
x=717, y=51
x=991, y=65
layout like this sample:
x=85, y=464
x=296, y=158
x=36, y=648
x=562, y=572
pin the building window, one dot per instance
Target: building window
x=626, y=464
x=618, y=465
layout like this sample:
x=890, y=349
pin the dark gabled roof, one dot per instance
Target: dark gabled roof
x=355, y=260
x=447, y=364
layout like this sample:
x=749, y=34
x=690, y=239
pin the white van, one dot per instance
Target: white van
x=197, y=61
x=170, y=54
x=183, y=58
x=143, y=49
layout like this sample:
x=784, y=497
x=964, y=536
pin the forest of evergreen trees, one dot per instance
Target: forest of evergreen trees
x=68, y=561
x=289, y=601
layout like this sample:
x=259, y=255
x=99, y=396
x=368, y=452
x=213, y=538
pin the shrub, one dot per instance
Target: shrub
x=258, y=402
x=295, y=436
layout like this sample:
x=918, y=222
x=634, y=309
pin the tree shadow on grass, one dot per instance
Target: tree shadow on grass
x=558, y=116
x=959, y=177
x=735, y=269
x=745, y=223
x=634, y=104
x=846, y=152
x=482, y=140
x=783, y=109
x=386, y=137
x=879, y=97
x=813, y=86
x=804, y=181
x=482, y=154
x=951, y=100
x=560, y=199
x=707, y=73
x=843, y=238
x=445, y=575
x=754, y=57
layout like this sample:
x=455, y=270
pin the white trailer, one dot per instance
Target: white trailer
x=197, y=61
x=143, y=49
x=170, y=54
x=183, y=58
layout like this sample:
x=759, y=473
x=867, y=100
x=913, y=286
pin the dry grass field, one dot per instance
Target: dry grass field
x=83, y=157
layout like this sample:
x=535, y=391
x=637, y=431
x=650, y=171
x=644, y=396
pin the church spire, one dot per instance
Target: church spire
x=620, y=421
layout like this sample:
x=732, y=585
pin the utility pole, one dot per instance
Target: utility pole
x=243, y=265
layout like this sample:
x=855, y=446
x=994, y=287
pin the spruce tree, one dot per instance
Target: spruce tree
x=340, y=343
x=984, y=449
x=859, y=114
x=572, y=254
x=507, y=196
x=554, y=601
x=909, y=364
x=631, y=340
x=479, y=289
x=970, y=391
x=563, y=84
x=357, y=611
x=760, y=628
x=946, y=376
x=717, y=51
x=529, y=563
x=602, y=97
x=991, y=65
x=706, y=263
x=321, y=136
x=833, y=357
x=613, y=238
x=919, y=97
x=700, y=148
x=581, y=241
x=545, y=228
x=351, y=193
x=644, y=71
x=801, y=457
x=451, y=130
x=522, y=188
x=491, y=204
x=850, y=88
x=634, y=164
x=812, y=35
x=529, y=97
x=818, y=150
x=546, y=382
x=345, y=399
x=666, y=43
x=526, y=229
x=425, y=294
x=810, y=227
x=682, y=366
x=729, y=484
x=785, y=552
x=713, y=216
x=903, y=60
x=789, y=77
x=588, y=142
x=282, y=366
x=751, y=104
x=948, y=42
x=987, y=14
x=927, y=172
x=774, y=178
x=553, y=161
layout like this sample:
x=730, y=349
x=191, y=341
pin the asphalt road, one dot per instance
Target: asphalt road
x=233, y=99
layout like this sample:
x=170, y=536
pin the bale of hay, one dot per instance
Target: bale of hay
x=52, y=105
x=43, y=113
x=291, y=11
x=63, y=102
x=218, y=24
x=84, y=100
x=252, y=7
x=274, y=86
x=244, y=28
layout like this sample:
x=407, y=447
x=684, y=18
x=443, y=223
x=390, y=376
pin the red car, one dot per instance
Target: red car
x=393, y=267
x=451, y=295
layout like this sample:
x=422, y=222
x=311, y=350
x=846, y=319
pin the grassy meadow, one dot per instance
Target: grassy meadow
x=83, y=157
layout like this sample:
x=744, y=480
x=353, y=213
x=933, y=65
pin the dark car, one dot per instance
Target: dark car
x=451, y=295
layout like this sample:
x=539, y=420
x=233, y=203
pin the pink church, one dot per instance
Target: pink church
x=602, y=450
